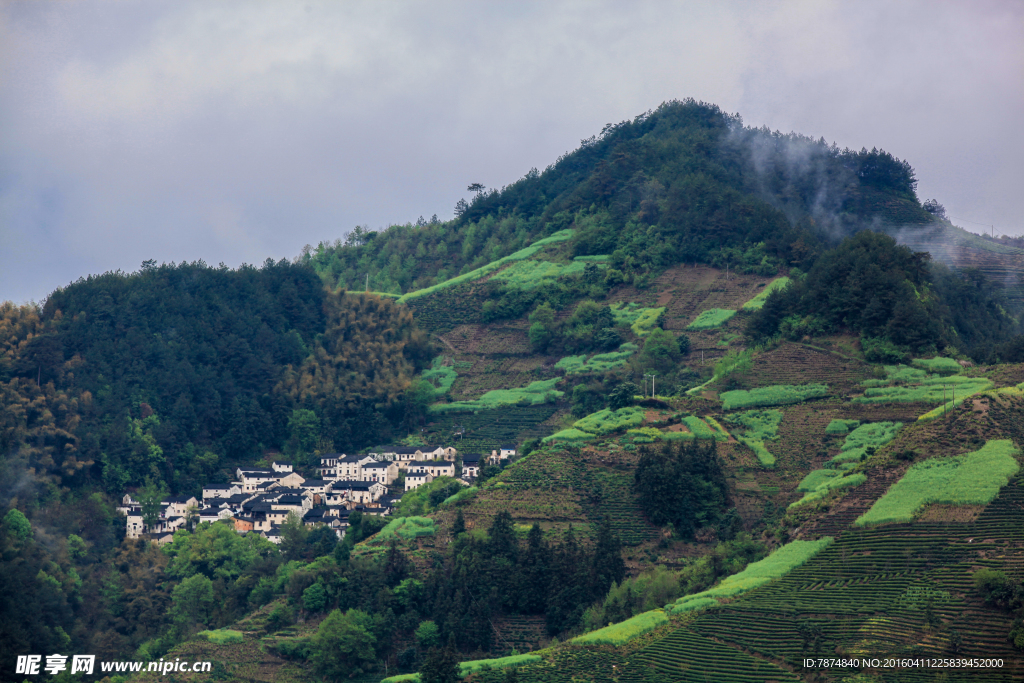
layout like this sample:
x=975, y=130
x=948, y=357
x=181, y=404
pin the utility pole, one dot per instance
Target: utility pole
x=367, y=282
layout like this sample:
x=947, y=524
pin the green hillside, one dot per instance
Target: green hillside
x=749, y=431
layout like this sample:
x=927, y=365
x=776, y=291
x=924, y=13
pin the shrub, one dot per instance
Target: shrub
x=938, y=365
x=776, y=395
x=640, y=320
x=881, y=351
x=757, y=302
x=695, y=604
x=971, y=479
x=623, y=632
x=710, y=319
x=222, y=636
x=572, y=364
x=841, y=426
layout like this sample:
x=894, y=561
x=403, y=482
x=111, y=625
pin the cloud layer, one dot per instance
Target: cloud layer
x=239, y=131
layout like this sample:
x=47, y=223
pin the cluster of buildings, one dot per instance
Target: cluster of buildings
x=261, y=499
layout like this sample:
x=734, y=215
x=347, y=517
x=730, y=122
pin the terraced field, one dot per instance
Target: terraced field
x=577, y=487
x=793, y=363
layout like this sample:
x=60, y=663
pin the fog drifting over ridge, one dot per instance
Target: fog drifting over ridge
x=237, y=131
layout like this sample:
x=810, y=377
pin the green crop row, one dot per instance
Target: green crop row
x=607, y=420
x=715, y=317
x=536, y=393
x=761, y=424
x=816, y=478
x=775, y=395
x=441, y=377
x=466, y=668
x=625, y=631
x=930, y=390
x=721, y=433
x=940, y=365
x=875, y=434
x=641, y=320
x=570, y=434
x=645, y=434
x=702, y=429
x=971, y=479
x=524, y=253
x=222, y=636
x=841, y=426
x=601, y=362
x=593, y=258
x=757, y=302
x=407, y=528
x=786, y=558
x=827, y=484
x=461, y=495
x=531, y=274
x=764, y=456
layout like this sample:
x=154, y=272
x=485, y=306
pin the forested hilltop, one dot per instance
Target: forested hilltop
x=712, y=350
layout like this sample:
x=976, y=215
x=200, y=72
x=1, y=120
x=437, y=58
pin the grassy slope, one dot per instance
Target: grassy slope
x=556, y=489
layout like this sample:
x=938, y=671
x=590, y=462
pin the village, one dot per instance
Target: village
x=260, y=500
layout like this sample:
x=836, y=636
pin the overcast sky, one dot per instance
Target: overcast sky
x=237, y=131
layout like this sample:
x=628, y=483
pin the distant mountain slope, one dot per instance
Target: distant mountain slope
x=957, y=248
x=683, y=183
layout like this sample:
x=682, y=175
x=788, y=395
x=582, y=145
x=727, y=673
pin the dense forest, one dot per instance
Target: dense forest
x=893, y=297
x=682, y=183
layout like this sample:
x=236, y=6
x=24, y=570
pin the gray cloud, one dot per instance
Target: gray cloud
x=234, y=131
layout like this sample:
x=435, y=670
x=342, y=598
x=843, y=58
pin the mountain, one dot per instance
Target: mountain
x=753, y=426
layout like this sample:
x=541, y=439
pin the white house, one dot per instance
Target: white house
x=178, y=506
x=503, y=452
x=329, y=465
x=252, y=478
x=290, y=480
x=439, y=468
x=281, y=467
x=383, y=471
x=135, y=526
x=416, y=477
x=361, y=492
x=215, y=491
x=471, y=465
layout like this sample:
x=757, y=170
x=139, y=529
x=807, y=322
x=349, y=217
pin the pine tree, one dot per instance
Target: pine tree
x=441, y=665
x=459, y=526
